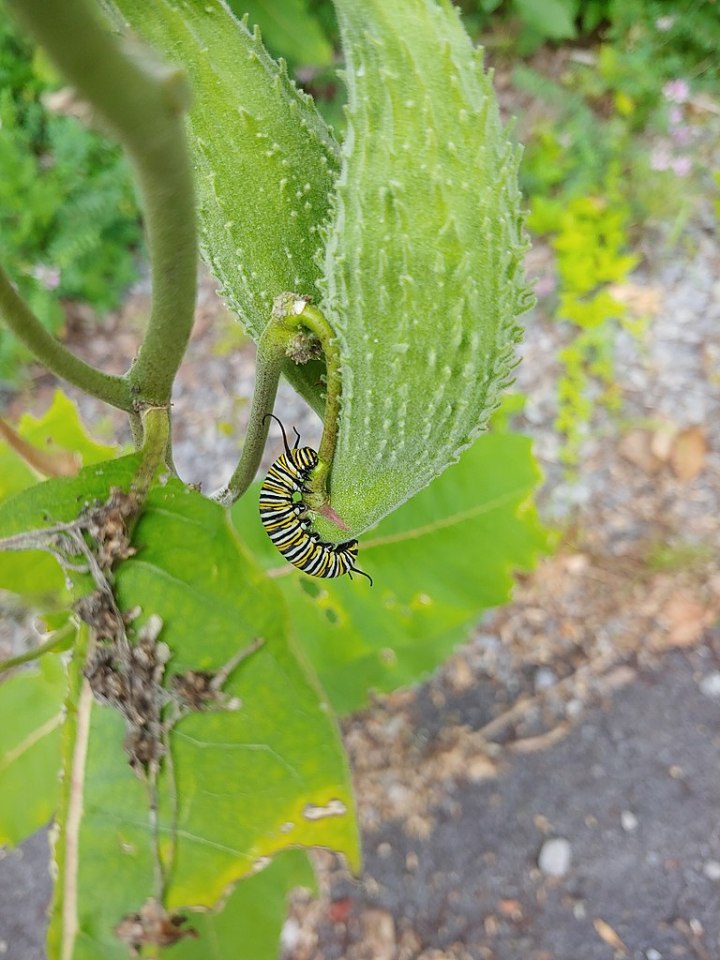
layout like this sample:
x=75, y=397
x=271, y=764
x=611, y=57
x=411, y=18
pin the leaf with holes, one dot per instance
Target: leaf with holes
x=243, y=784
x=437, y=563
x=31, y=704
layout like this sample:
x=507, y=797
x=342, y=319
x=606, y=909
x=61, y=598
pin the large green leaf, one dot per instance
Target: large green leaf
x=265, y=160
x=437, y=563
x=31, y=715
x=423, y=271
x=549, y=18
x=250, y=782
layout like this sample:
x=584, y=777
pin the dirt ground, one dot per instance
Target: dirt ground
x=553, y=792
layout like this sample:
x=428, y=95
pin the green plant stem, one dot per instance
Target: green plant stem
x=57, y=640
x=57, y=358
x=269, y=364
x=142, y=103
x=291, y=314
x=156, y=424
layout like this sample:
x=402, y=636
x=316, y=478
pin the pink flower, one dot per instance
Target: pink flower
x=660, y=159
x=49, y=277
x=676, y=91
x=681, y=166
x=681, y=135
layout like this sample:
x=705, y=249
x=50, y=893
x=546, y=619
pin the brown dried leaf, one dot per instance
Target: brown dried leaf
x=685, y=617
x=636, y=446
x=662, y=440
x=606, y=933
x=688, y=454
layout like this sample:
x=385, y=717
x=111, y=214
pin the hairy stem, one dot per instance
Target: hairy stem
x=156, y=431
x=27, y=328
x=142, y=103
x=269, y=364
x=291, y=315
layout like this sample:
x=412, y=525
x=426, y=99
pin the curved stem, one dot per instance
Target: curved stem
x=291, y=314
x=57, y=358
x=269, y=363
x=142, y=103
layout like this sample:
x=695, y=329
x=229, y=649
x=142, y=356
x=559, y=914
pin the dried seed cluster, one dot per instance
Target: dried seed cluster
x=153, y=926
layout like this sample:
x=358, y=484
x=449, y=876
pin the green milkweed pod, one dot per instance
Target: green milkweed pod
x=422, y=274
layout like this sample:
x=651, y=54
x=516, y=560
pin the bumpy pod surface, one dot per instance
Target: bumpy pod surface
x=423, y=265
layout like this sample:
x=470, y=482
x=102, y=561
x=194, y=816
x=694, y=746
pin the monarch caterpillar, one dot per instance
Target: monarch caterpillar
x=282, y=513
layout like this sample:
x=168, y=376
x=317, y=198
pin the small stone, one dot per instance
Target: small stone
x=544, y=679
x=711, y=869
x=554, y=858
x=629, y=821
x=379, y=930
x=710, y=685
x=573, y=708
x=653, y=954
x=290, y=935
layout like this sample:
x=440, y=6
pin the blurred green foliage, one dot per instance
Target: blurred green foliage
x=610, y=153
x=69, y=224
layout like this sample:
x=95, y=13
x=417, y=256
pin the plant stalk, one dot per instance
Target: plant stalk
x=142, y=103
x=291, y=314
x=27, y=328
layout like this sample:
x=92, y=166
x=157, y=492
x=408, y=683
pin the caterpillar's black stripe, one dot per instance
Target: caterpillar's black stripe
x=282, y=516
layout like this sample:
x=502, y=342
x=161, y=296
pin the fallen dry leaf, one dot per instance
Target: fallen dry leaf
x=636, y=447
x=662, y=440
x=510, y=908
x=688, y=454
x=685, y=619
x=606, y=933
